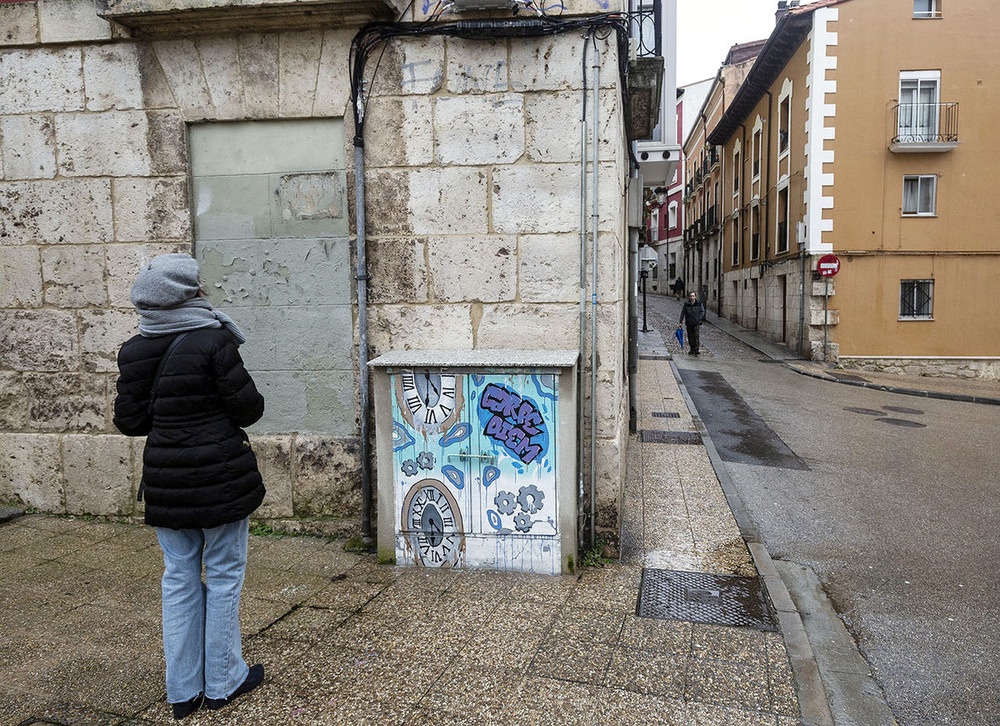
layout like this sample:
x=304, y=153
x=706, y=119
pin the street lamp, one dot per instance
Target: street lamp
x=661, y=195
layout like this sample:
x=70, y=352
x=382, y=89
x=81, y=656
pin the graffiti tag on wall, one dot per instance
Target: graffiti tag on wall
x=516, y=422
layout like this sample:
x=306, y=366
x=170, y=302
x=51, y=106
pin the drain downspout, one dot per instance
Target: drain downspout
x=362, y=280
x=593, y=297
x=581, y=519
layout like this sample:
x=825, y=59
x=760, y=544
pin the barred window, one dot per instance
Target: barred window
x=916, y=298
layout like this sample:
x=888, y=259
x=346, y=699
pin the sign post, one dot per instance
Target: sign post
x=828, y=266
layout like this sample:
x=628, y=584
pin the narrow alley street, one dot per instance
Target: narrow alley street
x=884, y=503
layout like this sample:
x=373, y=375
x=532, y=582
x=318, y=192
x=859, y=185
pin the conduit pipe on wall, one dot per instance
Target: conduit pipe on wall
x=595, y=216
x=362, y=280
x=581, y=520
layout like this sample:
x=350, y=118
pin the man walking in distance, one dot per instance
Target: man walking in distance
x=692, y=315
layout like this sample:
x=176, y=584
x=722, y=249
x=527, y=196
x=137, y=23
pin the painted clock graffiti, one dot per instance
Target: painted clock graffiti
x=432, y=522
x=429, y=400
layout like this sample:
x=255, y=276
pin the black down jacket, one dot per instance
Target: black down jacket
x=198, y=468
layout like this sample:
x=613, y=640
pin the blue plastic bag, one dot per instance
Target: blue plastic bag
x=680, y=336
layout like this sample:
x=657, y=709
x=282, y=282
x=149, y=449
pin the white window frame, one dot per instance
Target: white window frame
x=654, y=225
x=786, y=95
x=737, y=241
x=783, y=187
x=919, y=180
x=924, y=123
x=672, y=215
x=933, y=9
x=758, y=146
x=929, y=315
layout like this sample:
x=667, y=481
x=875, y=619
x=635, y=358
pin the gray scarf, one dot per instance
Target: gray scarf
x=191, y=314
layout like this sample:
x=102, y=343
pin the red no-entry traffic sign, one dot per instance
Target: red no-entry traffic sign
x=828, y=265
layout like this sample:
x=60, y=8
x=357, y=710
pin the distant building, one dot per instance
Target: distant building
x=702, y=177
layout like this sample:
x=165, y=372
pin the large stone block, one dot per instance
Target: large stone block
x=167, y=141
x=413, y=66
x=41, y=80
x=151, y=209
x=112, y=77
x=18, y=24
x=552, y=126
x=298, y=63
x=402, y=131
x=387, y=202
x=31, y=471
x=261, y=84
x=71, y=402
x=529, y=326
x=20, y=278
x=274, y=458
x=102, y=333
x=555, y=63
x=417, y=327
x=476, y=66
x=328, y=477
x=54, y=212
x=182, y=67
x=14, y=402
x=311, y=401
x=220, y=60
x=39, y=340
x=73, y=276
x=112, y=143
x=28, y=147
x=98, y=473
x=468, y=269
x=333, y=88
x=124, y=262
x=69, y=21
x=397, y=269
x=549, y=268
x=448, y=201
x=486, y=129
x=536, y=199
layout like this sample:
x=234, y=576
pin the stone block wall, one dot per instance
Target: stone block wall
x=473, y=206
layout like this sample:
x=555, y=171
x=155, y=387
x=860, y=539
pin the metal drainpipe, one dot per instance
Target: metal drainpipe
x=593, y=297
x=362, y=279
x=583, y=309
x=722, y=229
x=767, y=180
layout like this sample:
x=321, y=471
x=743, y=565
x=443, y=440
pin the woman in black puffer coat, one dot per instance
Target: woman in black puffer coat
x=200, y=475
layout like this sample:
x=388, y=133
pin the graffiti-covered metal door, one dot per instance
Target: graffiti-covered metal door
x=474, y=456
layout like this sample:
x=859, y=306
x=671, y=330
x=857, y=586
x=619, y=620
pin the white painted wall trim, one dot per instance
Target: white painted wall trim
x=819, y=193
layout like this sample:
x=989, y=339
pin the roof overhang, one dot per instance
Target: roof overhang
x=791, y=30
x=174, y=18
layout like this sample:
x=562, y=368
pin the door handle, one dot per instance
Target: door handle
x=488, y=458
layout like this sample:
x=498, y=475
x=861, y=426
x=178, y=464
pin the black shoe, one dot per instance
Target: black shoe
x=185, y=709
x=254, y=678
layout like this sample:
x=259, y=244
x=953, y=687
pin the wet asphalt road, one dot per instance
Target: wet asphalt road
x=896, y=509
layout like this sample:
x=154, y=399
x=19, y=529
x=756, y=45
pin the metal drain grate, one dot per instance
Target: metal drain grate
x=699, y=597
x=668, y=414
x=655, y=357
x=669, y=437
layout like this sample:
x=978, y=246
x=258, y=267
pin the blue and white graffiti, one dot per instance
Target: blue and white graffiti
x=494, y=457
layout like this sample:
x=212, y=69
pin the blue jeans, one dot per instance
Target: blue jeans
x=201, y=628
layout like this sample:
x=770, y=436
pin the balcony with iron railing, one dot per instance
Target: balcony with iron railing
x=924, y=127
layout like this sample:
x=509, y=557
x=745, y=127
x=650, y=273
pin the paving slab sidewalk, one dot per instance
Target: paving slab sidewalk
x=347, y=641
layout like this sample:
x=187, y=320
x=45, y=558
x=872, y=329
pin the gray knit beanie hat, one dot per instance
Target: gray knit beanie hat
x=166, y=282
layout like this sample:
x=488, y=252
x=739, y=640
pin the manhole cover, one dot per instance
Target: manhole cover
x=902, y=422
x=669, y=437
x=667, y=414
x=699, y=597
x=903, y=409
x=866, y=411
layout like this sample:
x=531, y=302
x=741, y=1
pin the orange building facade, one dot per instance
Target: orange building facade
x=866, y=129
